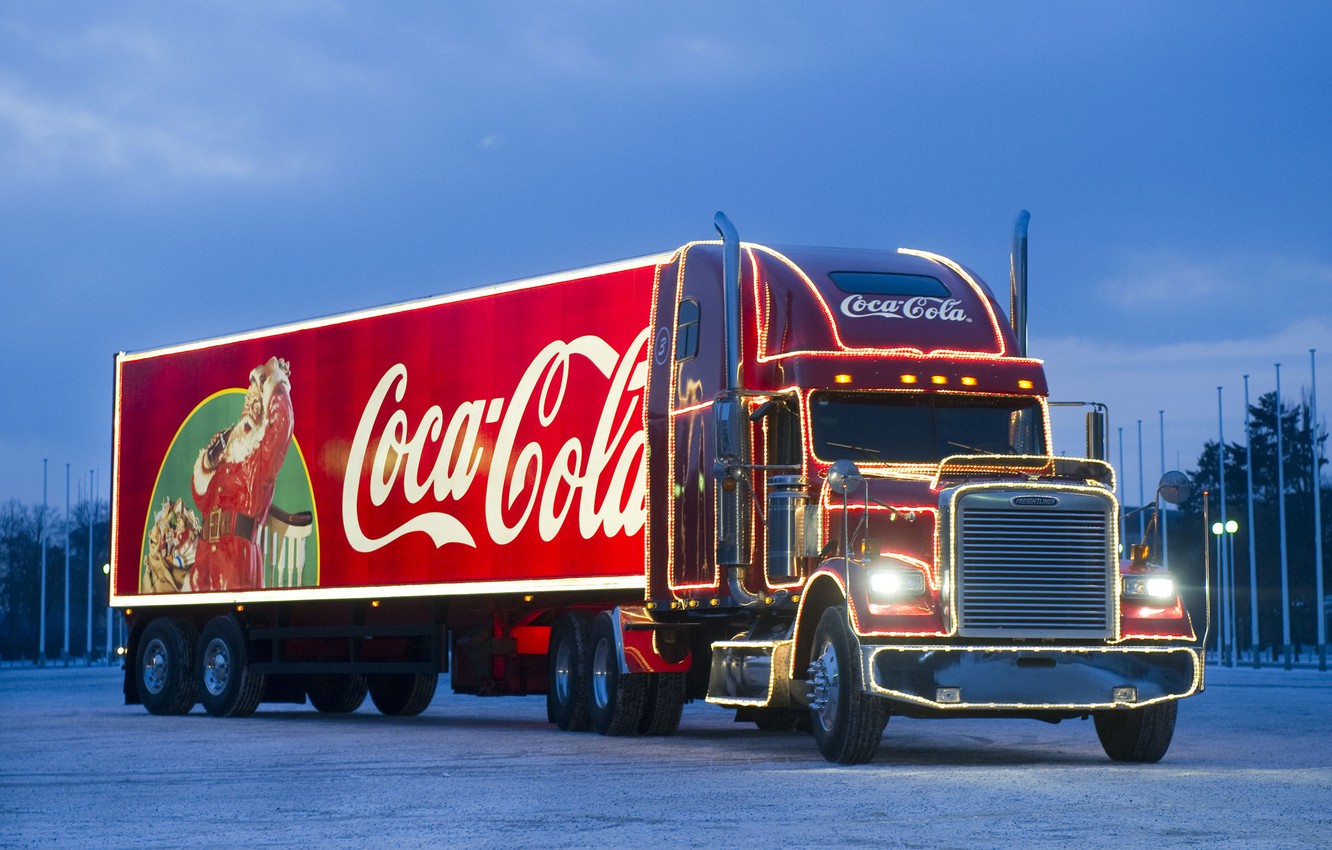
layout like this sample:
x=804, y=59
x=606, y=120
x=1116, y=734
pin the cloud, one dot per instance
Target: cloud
x=1137, y=380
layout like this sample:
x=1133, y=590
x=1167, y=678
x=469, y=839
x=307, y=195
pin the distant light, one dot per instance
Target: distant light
x=106, y=569
x=842, y=379
x=1217, y=528
x=1232, y=526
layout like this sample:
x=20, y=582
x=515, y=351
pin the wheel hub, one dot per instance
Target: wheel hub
x=217, y=666
x=155, y=666
x=823, y=686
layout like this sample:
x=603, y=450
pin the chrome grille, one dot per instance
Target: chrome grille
x=1035, y=571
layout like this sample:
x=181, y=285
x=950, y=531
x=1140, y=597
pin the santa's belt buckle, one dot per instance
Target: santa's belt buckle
x=214, y=530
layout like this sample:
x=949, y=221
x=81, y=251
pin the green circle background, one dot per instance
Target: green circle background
x=292, y=492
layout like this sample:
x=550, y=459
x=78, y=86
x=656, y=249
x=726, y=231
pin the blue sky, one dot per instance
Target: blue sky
x=177, y=171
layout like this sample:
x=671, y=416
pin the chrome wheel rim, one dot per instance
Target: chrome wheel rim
x=563, y=672
x=155, y=666
x=824, y=676
x=601, y=674
x=217, y=666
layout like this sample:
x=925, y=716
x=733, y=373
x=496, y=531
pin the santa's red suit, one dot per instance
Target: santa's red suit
x=233, y=486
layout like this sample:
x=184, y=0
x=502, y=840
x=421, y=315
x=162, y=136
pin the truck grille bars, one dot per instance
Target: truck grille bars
x=1035, y=566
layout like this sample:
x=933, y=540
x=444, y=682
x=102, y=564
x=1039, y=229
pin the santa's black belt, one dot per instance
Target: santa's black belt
x=220, y=523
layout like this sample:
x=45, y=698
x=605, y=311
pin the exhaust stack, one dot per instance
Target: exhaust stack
x=1017, y=300
x=730, y=298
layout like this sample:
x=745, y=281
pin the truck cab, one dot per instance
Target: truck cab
x=855, y=510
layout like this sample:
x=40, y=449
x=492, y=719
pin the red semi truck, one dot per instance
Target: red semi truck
x=813, y=485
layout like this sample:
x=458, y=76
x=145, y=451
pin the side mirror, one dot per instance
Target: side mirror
x=1175, y=487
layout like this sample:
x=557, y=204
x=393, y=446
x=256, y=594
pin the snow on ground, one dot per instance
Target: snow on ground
x=1249, y=768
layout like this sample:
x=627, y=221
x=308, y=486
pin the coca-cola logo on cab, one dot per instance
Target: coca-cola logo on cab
x=918, y=307
x=433, y=463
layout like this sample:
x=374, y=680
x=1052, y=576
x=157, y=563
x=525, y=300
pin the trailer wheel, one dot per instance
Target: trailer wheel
x=617, y=700
x=165, y=667
x=227, y=685
x=847, y=723
x=1138, y=734
x=567, y=660
x=664, y=703
x=338, y=693
x=403, y=694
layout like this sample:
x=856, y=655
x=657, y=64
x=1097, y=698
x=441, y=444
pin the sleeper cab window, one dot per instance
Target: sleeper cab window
x=686, y=330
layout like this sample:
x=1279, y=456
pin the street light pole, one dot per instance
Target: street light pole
x=91, y=484
x=1165, y=539
x=1281, y=522
x=1142, y=500
x=1253, y=561
x=64, y=652
x=1221, y=554
x=41, y=617
x=1316, y=450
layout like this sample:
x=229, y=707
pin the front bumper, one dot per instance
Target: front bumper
x=1025, y=679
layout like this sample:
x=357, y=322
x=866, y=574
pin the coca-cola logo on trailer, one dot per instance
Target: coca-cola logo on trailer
x=597, y=477
x=917, y=307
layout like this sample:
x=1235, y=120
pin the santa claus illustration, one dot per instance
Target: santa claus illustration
x=233, y=483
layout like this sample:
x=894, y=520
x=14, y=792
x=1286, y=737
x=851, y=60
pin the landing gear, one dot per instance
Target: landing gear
x=847, y=723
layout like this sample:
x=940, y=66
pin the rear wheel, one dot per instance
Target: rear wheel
x=165, y=666
x=1137, y=734
x=403, y=695
x=227, y=685
x=664, y=703
x=616, y=700
x=337, y=693
x=566, y=685
x=847, y=722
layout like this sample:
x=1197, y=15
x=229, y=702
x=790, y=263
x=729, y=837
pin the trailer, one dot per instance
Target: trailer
x=815, y=486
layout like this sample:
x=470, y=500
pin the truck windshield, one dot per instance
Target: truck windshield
x=921, y=428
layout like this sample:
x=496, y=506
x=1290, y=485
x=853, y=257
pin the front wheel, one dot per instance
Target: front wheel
x=847, y=722
x=228, y=687
x=1137, y=734
x=165, y=667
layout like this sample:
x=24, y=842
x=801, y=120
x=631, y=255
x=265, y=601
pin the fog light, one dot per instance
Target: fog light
x=1124, y=694
x=948, y=696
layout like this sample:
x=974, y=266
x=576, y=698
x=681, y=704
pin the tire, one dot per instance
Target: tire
x=847, y=722
x=164, y=667
x=336, y=694
x=403, y=694
x=227, y=685
x=1139, y=734
x=616, y=700
x=664, y=703
x=567, y=668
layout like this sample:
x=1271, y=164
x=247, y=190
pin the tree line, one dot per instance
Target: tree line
x=1299, y=436
x=22, y=531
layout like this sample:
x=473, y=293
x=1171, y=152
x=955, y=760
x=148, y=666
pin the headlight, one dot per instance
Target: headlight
x=1157, y=586
x=894, y=585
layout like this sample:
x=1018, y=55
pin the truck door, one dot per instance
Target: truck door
x=687, y=373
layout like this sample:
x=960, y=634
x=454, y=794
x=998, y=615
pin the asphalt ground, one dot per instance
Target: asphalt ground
x=1249, y=767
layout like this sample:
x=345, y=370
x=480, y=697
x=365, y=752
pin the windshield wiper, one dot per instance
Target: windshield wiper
x=862, y=449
